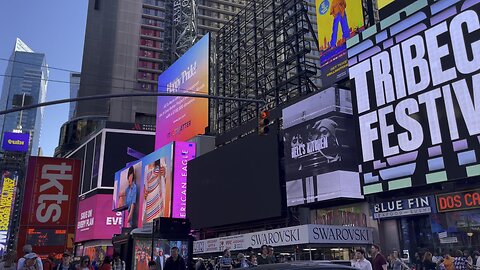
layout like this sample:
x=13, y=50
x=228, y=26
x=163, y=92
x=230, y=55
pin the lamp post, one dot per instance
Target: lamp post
x=470, y=234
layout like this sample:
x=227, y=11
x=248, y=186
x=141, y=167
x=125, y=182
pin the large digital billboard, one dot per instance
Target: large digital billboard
x=95, y=221
x=50, y=204
x=319, y=148
x=9, y=180
x=182, y=118
x=143, y=249
x=15, y=142
x=417, y=97
x=184, y=152
x=127, y=194
x=156, y=187
x=339, y=20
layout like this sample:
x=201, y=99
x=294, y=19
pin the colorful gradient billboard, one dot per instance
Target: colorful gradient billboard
x=182, y=118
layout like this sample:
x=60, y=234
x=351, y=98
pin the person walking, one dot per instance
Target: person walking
x=118, y=263
x=27, y=249
x=106, y=264
x=226, y=261
x=264, y=258
x=379, y=261
x=448, y=262
x=360, y=262
x=9, y=260
x=175, y=261
x=31, y=262
x=66, y=263
x=85, y=264
x=48, y=263
x=427, y=263
x=397, y=263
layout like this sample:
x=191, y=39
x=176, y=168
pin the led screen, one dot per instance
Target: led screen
x=417, y=97
x=340, y=20
x=143, y=249
x=182, y=118
x=15, y=142
x=126, y=193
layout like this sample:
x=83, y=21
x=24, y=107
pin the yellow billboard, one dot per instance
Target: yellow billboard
x=338, y=20
x=6, y=202
x=383, y=3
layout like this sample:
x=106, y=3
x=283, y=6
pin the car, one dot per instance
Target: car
x=306, y=265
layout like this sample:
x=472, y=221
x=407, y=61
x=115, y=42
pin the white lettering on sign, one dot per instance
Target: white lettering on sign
x=49, y=205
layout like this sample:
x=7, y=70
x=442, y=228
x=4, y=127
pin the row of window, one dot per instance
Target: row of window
x=158, y=3
x=147, y=76
x=151, y=43
x=153, y=22
x=150, y=32
x=154, y=12
x=147, y=64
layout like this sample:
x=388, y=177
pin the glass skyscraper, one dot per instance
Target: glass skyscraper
x=25, y=83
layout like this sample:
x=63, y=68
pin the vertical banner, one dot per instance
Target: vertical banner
x=49, y=204
x=338, y=20
x=9, y=180
x=184, y=152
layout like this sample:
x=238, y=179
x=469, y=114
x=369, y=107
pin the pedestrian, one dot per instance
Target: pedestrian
x=9, y=260
x=85, y=264
x=271, y=255
x=31, y=262
x=118, y=263
x=427, y=263
x=460, y=262
x=226, y=261
x=253, y=260
x=106, y=264
x=242, y=261
x=397, y=263
x=264, y=258
x=466, y=254
x=448, y=262
x=200, y=265
x=159, y=258
x=48, y=263
x=175, y=261
x=27, y=249
x=476, y=261
x=152, y=265
x=360, y=262
x=379, y=261
x=66, y=263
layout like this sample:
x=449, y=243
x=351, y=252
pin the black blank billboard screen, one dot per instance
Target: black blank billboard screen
x=236, y=183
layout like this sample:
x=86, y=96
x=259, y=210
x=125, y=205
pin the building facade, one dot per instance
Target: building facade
x=25, y=83
x=74, y=86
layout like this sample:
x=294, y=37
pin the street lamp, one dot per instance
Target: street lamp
x=469, y=234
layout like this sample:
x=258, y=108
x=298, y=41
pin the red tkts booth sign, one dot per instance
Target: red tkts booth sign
x=49, y=205
x=458, y=201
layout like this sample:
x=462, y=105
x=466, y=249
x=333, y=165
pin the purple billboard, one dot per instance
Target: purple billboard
x=15, y=142
x=184, y=152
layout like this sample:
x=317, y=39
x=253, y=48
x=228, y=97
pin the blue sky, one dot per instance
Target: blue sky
x=53, y=27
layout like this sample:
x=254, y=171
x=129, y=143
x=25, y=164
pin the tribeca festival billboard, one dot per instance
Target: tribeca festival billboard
x=49, y=204
x=417, y=96
x=15, y=142
x=95, y=221
x=340, y=20
x=9, y=181
x=182, y=118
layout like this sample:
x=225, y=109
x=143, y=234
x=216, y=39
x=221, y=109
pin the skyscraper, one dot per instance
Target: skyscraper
x=25, y=83
x=74, y=86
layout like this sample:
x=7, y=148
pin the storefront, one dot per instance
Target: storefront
x=304, y=242
x=404, y=224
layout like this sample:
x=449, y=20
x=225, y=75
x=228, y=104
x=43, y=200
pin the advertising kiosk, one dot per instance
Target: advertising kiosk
x=154, y=241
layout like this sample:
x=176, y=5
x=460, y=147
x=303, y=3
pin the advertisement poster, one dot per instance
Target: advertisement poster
x=95, y=221
x=182, y=118
x=156, y=187
x=184, y=152
x=15, y=142
x=9, y=180
x=50, y=201
x=128, y=182
x=143, y=248
x=97, y=253
x=340, y=20
x=418, y=118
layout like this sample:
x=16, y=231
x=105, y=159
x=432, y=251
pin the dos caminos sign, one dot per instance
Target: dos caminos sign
x=417, y=95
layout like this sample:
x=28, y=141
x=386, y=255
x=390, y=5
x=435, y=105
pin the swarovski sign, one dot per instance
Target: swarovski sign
x=303, y=234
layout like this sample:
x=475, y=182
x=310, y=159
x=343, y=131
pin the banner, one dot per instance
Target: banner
x=417, y=97
x=338, y=20
x=49, y=204
x=184, y=152
x=15, y=142
x=404, y=207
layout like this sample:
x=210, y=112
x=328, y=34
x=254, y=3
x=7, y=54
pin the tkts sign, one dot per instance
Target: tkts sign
x=417, y=95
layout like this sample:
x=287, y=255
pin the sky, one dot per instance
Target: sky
x=57, y=29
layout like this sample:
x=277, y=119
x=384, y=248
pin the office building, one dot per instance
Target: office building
x=74, y=86
x=25, y=83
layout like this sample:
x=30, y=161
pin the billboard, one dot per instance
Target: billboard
x=9, y=180
x=335, y=17
x=143, y=249
x=50, y=204
x=417, y=97
x=156, y=184
x=184, y=152
x=318, y=148
x=126, y=193
x=15, y=142
x=182, y=118
x=95, y=221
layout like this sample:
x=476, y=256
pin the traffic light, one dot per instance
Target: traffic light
x=263, y=122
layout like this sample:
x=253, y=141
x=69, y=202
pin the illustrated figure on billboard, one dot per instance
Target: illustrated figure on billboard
x=155, y=190
x=130, y=196
x=337, y=10
x=326, y=132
